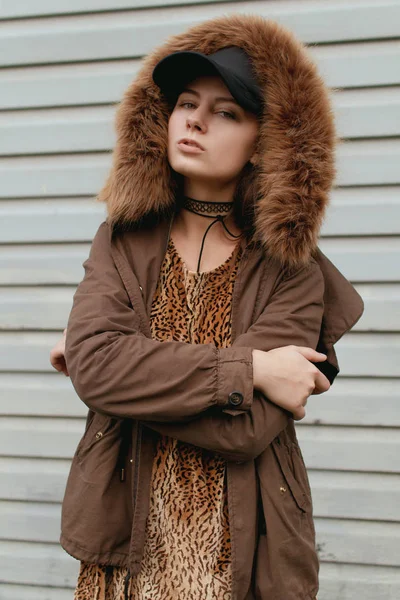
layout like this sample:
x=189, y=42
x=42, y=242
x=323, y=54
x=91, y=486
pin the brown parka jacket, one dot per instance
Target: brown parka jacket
x=286, y=292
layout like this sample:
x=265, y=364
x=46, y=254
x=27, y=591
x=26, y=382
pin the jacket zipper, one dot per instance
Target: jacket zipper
x=123, y=451
x=135, y=480
x=136, y=463
x=139, y=428
x=136, y=457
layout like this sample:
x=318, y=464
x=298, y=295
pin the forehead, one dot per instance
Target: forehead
x=211, y=84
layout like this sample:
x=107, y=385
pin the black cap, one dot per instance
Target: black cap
x=232, y=64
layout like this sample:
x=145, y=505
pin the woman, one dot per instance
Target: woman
x=193, y=337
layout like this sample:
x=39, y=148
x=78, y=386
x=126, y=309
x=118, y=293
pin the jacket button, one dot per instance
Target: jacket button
x=99, y=435
x=140, y=288
x=235, y=398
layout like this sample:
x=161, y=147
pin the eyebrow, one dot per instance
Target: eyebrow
x=219, y=99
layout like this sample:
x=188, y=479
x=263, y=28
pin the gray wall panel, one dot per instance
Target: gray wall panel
x=33, y=479
x=32, y=563
x=26, y=8
x=134, y=33
x=351, y=582
x=19, y=592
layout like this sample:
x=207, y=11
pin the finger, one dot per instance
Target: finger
x=57, y=365
x=55, y=355
x=310, y=354
x=299, y=413
x=322, y=383
x=63, y=365
x=317, y=392
x=60, y=365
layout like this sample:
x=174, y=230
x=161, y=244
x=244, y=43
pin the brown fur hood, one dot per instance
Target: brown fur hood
x=295, y=168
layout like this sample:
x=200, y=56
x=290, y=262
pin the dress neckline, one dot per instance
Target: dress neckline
x=221, y=268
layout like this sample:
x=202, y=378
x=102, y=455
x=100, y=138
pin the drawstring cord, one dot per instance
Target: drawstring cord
x=201, y=208
x=126, y=586
x=219, y=219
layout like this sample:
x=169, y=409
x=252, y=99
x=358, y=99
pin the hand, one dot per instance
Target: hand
x=287, y=377
x=57, y=355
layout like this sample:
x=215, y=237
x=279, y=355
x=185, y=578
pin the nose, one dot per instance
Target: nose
x=196, y=122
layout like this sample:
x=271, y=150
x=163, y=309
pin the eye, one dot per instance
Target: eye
x=187, y=104
x=227, y=115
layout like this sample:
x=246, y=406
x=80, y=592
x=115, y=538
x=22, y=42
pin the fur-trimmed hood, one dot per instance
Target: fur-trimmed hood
x=295, y=150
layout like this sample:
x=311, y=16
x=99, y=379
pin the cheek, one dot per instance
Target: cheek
x=175, y=124
x=172, y=129
x=236, y=150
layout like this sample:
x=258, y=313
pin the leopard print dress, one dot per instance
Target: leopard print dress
x=187, y=549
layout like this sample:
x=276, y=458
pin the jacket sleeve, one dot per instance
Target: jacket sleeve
x=118, y=371
x=292, y=316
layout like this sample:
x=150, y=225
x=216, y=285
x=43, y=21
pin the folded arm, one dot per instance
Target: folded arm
x=293, y=316
x=118, y=371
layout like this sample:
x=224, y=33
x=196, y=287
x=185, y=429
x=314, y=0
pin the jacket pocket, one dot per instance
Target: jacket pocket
x=294, y=472
x=97, y=426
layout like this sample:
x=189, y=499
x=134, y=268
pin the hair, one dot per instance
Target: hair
x=245, y=200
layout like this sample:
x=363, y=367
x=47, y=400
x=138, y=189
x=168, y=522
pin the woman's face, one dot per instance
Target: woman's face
x=210, y=137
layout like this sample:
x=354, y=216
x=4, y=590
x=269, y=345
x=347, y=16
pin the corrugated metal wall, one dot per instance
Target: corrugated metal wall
x=64, y=64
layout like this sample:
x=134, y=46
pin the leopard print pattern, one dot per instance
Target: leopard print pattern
x=187, y=554
x=99, y=582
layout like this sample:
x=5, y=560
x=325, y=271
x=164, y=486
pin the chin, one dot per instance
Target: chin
x=187, y=168
x=190, y=169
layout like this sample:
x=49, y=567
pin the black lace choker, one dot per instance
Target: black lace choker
x=209, y=210
x=205, y=209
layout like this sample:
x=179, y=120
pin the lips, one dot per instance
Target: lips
x=190, y=142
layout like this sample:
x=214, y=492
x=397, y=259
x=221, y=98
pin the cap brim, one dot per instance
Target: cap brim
x=175, y=71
